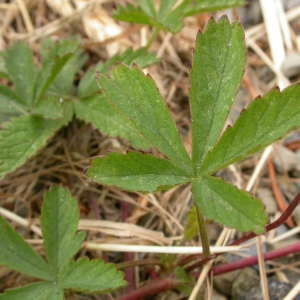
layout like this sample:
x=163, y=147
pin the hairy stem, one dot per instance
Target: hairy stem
x=203, y=232
x=152, y=37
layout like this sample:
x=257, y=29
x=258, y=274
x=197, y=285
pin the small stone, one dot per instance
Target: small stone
x=297, y=153
x=223, y=283
x=291, y=65
x=284, y=160
x=217, y=296
x=277, y=291
x=247, y=279
x=267, y=198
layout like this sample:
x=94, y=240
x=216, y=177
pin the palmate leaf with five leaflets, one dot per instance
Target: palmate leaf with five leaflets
x=43, y=100
x=60, y=215
x=37, y=115
x=217, y=70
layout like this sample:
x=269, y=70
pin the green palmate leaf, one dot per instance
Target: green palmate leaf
x=91, y=276
x=136, y=95
x=22, y=137
x=165, y=19
x=16, y=254
x=97, y=110
x=22, y=72
x=50, y=107
x=222, y=202
x=141, y=57
x=267, y=119
x=10, y=102
x=201, y=6
x=36, y=291
x=59, y=221
x=136, y=172
x=218, y=67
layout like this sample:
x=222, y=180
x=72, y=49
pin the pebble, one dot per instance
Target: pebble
x=284, y=159
x=277, y=291
x=267, y=198
x=223, y=283
x=291, y=65
x=247, y=279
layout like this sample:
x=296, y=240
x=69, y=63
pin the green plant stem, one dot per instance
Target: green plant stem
x=152, y=37
x=203, y=233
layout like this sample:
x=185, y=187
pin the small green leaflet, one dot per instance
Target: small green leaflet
x=23, y=136
x=123, y=170
x=59, y=222
x=16, y=254
x=217, y=70
x=266, y=120
x=44, y=290
x=218, y=200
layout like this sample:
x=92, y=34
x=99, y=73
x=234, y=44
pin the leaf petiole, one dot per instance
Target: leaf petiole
x=203, y=232
x=153, y=36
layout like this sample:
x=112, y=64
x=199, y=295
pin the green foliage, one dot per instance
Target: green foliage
x=151, y=172
x=43, y=100
x=218, y=66
x=59, y=222
x=170, y=15
x=185, y=282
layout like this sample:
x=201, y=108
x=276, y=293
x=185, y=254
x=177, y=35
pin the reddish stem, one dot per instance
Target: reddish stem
x=152, y=288
x=280, y=199
x=250, y=261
